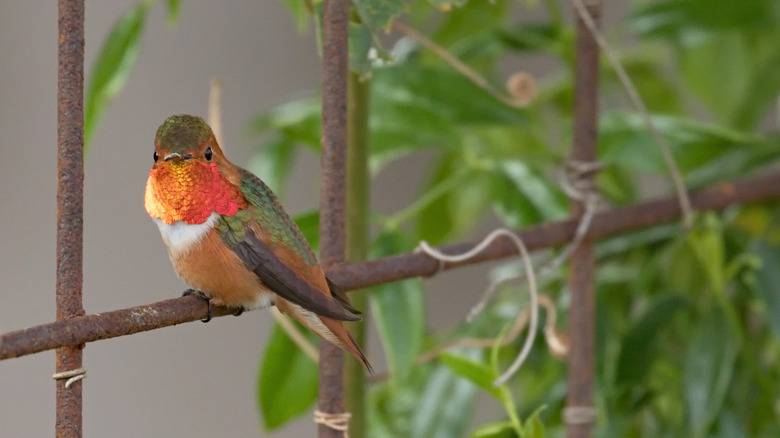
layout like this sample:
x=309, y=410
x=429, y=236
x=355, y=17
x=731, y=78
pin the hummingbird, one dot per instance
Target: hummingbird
x=231, y=241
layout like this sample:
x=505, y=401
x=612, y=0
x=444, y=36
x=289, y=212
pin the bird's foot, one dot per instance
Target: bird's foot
x=238, y=312
x=200, y=294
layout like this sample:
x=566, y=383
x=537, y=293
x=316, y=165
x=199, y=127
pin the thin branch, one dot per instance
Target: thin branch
x=89, y=328
x=529, y=275
x=521, y=85
x=557, y=344
x=295, y=335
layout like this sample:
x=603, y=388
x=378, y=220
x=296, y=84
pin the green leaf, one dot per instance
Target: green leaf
x=301, y=11
x=459, y=208
x=287, y=384
x=446, y=5
x=709, y=366
x=445, y=91
x=297, y=122
x=309, y=224
x=717, y=72
x=478, y=373
x=503, y=429
x=533, y=426
x=114, y=63
x=759, y=94
x=625, y=141
x=694, y=18
x=768, y=279
x=378, y=14
x=706, y=240
x=638, y=348
x=528, y=197
x=444, y=407
x=273, y=164
x=398, y=311
x=174, y=9
x=360, y=43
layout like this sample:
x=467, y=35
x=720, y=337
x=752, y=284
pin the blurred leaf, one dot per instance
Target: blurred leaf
x=309, y=224
x=447, y=4
x=531, y=198
x=675, y=18
x=625, y=141
x=301, y=12
x=768, y=277
x=533, y=426
x=174, y=10
x=378, y=14
x=470, y=20
x=759, y=94
x=298, y=121
x=360, y=41
x=398, y=310
x=478, y=373
x=112, y=67
x=638, y=348
x=459, y=208
x=717, y=72
x=707, y=243
x=503, y=429
x=729, y=427
x=534, y=37
x=273, y=164
x=444, y=406
x=447, y=92
x=287, y=385
x=709, y=365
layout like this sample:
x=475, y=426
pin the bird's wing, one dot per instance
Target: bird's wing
x=271, y=245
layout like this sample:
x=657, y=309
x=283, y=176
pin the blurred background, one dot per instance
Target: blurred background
x=706, y=68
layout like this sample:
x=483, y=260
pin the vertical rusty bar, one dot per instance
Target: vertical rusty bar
x=335, y=27
x=70, y=199
x=581, y=275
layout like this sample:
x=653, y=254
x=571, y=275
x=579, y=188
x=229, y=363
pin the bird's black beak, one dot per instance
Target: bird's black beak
x=177, y=156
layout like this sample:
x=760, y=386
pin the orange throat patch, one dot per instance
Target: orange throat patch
x=190, y=191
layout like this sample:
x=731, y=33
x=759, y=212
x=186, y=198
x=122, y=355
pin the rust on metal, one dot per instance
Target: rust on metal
x=582, y=267
x=90, y=328
x=80, y=330
x=70, y=202
x=333, y=191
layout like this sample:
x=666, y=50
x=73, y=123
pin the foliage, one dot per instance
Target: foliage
x=688, y=321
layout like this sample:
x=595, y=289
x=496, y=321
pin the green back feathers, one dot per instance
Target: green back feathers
x=269, y=214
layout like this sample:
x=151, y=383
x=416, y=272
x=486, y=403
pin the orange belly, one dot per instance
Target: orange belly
x=212, y=268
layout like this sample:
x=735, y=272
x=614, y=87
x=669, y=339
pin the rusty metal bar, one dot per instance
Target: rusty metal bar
x=551, y=234
x=333, y=191
x=89, y=328
x=70, y=204
x=80, y=330
x=582, y=267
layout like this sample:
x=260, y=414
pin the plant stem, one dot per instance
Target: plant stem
x=357, y=237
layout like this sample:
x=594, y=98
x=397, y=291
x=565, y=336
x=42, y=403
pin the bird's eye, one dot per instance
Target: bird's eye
x=156, y=157
x=208, y=154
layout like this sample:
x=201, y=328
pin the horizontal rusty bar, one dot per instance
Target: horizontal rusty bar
x=89, y=328
x=551, y=234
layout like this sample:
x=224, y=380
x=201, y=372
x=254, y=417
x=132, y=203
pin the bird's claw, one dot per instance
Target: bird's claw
x=238, y=312
x=200, y=294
